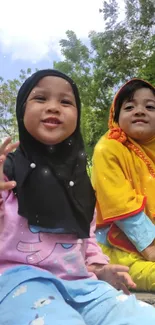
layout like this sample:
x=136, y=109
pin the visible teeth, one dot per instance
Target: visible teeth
x=51, y=121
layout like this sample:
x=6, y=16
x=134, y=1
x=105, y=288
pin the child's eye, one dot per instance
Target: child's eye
x=40, y=98
x=128, y=108
x=66, y=102
x=150, y=107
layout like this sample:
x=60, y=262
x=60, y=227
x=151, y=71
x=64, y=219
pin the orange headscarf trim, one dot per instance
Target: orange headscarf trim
x=116, y=133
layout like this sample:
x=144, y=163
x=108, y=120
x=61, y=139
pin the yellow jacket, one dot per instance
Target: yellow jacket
x=124, y=185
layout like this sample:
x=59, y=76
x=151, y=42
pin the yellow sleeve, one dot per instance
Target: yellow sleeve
x=116, y=199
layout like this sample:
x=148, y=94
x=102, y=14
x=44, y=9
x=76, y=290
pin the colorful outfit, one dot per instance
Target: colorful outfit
x=44, y=279
x=123, y=177
x=47, y=237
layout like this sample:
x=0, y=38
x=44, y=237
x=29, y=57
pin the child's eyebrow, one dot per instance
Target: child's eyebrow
x=134, y=100
x=150, y=100
x=129, y=100
x=67, y=93
x=46, y=90
x=37, y=89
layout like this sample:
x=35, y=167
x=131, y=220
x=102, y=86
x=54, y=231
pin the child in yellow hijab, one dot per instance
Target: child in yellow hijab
x=123, y=177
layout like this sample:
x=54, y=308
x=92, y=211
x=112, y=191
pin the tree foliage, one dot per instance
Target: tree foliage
x=8, y=94
x=125, y=49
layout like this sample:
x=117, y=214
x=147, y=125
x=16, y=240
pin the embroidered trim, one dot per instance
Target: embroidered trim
x=117, y=134
x=120, y=136
x=141, y=155
x=124, y=216
x=120, y=243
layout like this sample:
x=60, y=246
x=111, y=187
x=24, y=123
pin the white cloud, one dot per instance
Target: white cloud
x=31, y=29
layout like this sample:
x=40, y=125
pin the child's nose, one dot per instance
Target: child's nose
x=53, y=107
x=140, y=110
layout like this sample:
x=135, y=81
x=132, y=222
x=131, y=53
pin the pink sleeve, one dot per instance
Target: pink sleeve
x=93, y=251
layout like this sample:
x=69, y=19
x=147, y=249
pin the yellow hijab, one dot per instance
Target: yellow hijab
x=146, y=151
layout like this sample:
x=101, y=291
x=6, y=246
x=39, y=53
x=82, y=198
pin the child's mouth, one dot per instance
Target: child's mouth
x=139, y=121
x=51, y=122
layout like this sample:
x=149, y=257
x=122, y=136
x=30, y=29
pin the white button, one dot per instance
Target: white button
x=71, y=183
x=33, y=165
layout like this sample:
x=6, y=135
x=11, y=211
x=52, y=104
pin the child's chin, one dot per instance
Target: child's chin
x=49, y=142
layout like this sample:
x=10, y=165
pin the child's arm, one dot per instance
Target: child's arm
x=141, y=232
x=139, y=229
x=93, y=251
x=97, y=262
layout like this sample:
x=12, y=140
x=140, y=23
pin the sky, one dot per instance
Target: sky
x=30, y=30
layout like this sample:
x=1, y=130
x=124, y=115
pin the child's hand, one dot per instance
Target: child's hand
x=149, y=253
x=116, y=275
x=5, y=148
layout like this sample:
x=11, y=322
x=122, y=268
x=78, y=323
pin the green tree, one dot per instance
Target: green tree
x=78, y=63
x=8, y=94
x=124, y=50
x=132, y=41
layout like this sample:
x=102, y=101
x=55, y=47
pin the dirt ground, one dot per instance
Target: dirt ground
x=147, y=297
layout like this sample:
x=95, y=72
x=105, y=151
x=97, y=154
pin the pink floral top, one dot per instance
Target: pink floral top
x=63, y=255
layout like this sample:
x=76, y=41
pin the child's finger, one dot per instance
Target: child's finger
x=92, y=268
x=7, y=146
x=7, y=185
x=11, y=147
x=119, y=268
x=126, y=279
x=122, y=286
x=4, y=185
x=2, y=159
x=4, y=145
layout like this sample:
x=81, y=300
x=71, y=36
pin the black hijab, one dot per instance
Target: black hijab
x=53, y=188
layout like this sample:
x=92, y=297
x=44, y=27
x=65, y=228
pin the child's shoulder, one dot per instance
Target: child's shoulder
x=109, y=146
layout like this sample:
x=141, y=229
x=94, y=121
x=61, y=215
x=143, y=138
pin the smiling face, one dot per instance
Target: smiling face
x=51, y=112
x=137, y=116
